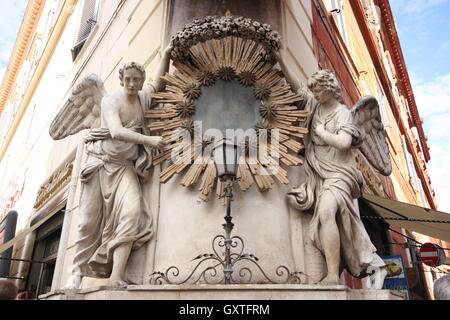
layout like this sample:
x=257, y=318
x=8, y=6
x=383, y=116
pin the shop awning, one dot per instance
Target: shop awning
x=425, y=221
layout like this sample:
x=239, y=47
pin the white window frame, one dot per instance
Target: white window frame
x=84, y=28
x=410, y=165
x=381, y=103
x=339, y=17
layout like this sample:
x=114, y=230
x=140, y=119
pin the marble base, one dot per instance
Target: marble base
x=222, y=292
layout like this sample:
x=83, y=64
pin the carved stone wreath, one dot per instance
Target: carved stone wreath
x=202, y=57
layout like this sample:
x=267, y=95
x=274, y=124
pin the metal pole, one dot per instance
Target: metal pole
x=23, y=260
x=228, y=227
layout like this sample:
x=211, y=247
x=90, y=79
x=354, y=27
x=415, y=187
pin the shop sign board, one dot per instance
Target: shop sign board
x=396, y=278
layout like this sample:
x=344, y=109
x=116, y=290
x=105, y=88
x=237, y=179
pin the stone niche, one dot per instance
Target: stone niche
x=271, y=229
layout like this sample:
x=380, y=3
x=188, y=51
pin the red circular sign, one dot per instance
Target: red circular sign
x=430, y=254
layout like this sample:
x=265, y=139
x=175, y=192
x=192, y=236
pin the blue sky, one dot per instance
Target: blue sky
x=424, y=31
x=11, y=13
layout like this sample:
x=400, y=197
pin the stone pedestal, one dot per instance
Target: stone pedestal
x=223, y=292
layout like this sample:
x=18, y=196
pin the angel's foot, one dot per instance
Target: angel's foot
x=73, y=283
x=329, y=281
x=118, y=283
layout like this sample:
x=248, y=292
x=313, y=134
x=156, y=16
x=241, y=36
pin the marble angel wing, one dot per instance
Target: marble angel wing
x=366, y=116
x=81, y=110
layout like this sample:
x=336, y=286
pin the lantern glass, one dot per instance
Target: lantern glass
x=225, y=157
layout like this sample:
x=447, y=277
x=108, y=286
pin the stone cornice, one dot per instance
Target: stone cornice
x=388, y=23
x=66, y=9
x=400, y=66
x=25, y=35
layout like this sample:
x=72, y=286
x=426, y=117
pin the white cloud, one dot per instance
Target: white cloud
x=437, y=127
x=438, y=169
x=432, y=97
x=418, y=13
x=433, y=101
x=419, y=6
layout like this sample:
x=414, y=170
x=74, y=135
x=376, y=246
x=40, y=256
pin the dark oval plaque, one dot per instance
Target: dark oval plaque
x=227, y=105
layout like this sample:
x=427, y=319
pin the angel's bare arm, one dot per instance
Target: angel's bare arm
x=162, y=68
x=110, y=112
x=342, y=140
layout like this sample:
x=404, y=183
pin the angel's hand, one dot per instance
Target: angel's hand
x=156, y=142
x=97, y=134
x=320, y=129
x=278, y=55
x=169, y=48
x=303, y=91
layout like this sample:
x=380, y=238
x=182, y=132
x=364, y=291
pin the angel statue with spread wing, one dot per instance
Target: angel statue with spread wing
x=114, y=216
x=333, y=182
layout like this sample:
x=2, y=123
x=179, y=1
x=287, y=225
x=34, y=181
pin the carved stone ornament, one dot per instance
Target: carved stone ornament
x=227, y=48
x=333, y=180
x=115, y=173
x=55, y=183
x=209, y=28
x=371, y=181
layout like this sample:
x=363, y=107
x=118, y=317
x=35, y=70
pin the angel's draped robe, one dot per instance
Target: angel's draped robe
x=112, y=209
x=328, y=168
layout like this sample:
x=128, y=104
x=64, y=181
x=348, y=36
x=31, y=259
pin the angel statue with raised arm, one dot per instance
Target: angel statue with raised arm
x=114, y=215
x=333, y=182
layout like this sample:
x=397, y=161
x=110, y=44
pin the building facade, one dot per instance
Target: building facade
x=61, y=41
x=359, y=39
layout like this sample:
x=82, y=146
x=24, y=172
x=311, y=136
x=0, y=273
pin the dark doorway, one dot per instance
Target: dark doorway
x=376, y=228
x=45, y=250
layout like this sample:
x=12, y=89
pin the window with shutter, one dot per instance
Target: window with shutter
x=338, y=14
x=410, y=165
x=87, y=22
x=383, y=113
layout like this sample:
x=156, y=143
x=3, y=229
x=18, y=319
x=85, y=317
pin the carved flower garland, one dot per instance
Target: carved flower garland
x=228, y=58
x=208, y=28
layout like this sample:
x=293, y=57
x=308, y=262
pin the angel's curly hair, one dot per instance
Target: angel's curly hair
x=131, y=65
x=326, y=80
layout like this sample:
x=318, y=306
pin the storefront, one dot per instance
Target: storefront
x=40, y=275
x=410, y=218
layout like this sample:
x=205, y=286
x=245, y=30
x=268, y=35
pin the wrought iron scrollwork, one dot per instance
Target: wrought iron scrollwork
x=207, y=267
x=210, y=274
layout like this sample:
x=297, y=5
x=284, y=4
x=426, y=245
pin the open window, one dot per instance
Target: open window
x=88, y=19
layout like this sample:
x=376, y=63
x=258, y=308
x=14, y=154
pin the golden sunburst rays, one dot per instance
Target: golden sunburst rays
x=258, y=162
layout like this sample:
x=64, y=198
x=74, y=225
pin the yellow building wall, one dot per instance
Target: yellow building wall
x=401, y=180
